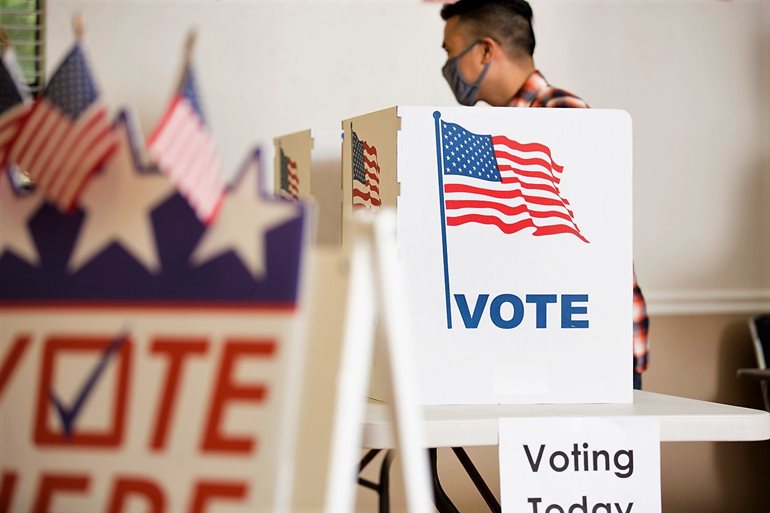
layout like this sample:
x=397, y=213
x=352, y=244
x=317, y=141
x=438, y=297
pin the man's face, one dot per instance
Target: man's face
x=457, y=39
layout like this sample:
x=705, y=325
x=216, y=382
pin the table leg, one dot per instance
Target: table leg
x=475, y=476
x=443, y=502
x=383, y=487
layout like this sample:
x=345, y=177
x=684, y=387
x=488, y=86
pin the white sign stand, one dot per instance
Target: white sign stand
x=376, y=286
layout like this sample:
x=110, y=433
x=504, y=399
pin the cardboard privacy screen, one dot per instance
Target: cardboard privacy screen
x=515, y=230
x=145, y=358
x=307, y=166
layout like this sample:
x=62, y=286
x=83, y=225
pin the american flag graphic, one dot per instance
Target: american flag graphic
x=15, y=101
x=494, y=180
x=67, y=135
x=289, y=178
x=366, y=175
x=185, y=150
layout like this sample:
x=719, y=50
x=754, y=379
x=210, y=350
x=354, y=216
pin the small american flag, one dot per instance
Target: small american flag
x=366, y=175
x=497, y=181
x=289, y=177
x=67, y=135
x=185, y=150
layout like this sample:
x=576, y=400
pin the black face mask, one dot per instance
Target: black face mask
x=465, y=92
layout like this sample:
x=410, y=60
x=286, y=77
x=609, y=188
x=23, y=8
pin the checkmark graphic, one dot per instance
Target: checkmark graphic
x=69, y=415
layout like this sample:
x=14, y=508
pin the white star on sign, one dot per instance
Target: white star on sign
x=118, y=202
x=243, y=222
x=15, y=212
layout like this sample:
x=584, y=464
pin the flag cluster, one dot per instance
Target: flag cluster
x=60, y=139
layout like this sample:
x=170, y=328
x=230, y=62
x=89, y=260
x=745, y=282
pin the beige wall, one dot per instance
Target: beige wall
x=697, y=356
x=692, y=74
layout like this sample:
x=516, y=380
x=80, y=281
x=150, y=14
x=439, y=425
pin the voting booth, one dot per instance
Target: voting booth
x=307, y=166
x=514, y=226
x=149, y=359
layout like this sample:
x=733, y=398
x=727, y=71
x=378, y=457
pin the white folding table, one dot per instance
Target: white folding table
x=459, y=426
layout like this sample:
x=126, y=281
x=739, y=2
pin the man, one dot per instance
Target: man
x=489, y=45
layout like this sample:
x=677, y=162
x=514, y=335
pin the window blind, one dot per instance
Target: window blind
x=23, y=22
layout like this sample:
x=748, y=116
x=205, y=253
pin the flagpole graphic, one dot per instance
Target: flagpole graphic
x=439, y=162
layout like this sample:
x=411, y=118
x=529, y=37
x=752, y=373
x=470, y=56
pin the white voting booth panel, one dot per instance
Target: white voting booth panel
x=307, y=166
x=514, y=226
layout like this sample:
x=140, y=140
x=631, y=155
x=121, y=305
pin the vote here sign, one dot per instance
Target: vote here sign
x=146, y=359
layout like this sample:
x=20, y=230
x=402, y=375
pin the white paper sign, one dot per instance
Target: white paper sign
x=580, y=465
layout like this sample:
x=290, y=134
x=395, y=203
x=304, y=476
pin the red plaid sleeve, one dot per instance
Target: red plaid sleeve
x=551, y=97
x=641, y=325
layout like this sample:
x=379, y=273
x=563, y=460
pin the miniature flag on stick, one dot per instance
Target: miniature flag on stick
x=67, y=135
x=184, y=148
x=15, y=98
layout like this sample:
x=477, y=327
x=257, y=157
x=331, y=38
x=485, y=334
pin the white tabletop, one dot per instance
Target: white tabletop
x=680, y=420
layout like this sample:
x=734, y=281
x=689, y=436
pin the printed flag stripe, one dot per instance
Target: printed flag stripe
x=542, y=214
x=530, y=185
x=460, y=205
x=502, y=154
x=505, y=209
x=528, y=148
x=504, y=194
x=529, y=173
x=513, y=228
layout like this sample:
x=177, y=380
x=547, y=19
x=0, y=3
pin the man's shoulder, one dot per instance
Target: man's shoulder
x=555, y=97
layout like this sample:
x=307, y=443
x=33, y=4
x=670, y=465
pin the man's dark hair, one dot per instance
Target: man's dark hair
x=509, y=22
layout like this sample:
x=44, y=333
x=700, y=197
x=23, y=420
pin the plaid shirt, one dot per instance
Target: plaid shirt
x=537, y=92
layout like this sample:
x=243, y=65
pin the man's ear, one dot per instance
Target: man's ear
x=490, y=48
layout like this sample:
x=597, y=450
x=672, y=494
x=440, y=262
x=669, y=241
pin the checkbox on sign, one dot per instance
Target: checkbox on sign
x=83, y=391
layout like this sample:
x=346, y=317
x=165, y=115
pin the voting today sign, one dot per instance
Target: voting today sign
x=515, y=230
x=148, y=361
x=580, y=465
